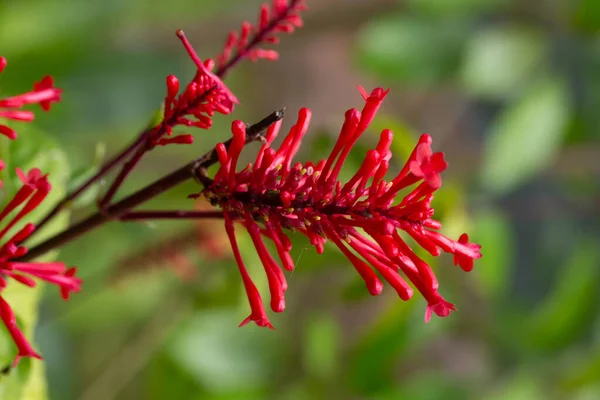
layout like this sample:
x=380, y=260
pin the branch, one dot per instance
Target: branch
x=170, y=214
x=107, y=167
x=191, y=170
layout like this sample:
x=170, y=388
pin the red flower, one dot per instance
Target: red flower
x=283, y=16
x=201, y=98
x=43, y=93
x=361, y=217
x=35, y=188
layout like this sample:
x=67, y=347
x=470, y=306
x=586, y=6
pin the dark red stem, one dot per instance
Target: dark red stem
x=109, y=165
x=154, y=134
x=194, y=169
x=170, y=214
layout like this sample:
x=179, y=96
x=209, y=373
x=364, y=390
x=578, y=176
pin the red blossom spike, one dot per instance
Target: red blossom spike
x=44, y=93
x=204, y=95
x=310, y=199
x=34, y=190
x=283, y=16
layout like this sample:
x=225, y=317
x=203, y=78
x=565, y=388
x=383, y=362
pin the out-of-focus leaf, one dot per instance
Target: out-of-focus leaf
x=493, y=232
x=500, y=61
x=587, y=15
x=526, y=136
x=447, y=8
x=371, y=365
x=567, y=310
x=524, y=385
x=411, y=50
x=166, y=379
x=47, y=22
x=429, y=386
x=584, y=372
x=105, y=308
x=220, y=357
x=322, y=339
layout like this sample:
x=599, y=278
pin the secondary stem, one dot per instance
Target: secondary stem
x=191, y=170
x=170, y=214
x=155, y=133
x=116, y=160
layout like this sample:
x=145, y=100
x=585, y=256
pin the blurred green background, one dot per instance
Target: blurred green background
x=509, y=90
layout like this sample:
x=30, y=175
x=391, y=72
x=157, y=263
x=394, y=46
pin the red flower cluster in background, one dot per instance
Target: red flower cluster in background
x=282, y=16
x=206, y=93
x=361, y=217
x=43, y=93
x=34, y=190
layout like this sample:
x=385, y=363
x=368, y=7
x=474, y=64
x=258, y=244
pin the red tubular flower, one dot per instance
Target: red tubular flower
x=35, y=188
x=361, y=217
x=201, y=98
x=282, y=16
x=44, y=93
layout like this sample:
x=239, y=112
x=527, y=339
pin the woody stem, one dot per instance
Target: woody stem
x=117, y=210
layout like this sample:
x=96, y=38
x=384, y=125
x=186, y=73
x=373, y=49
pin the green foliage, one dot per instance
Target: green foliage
x=457, y=8
x=526, y=136
x=494, y=233
x=410, y=50
x=499, y=61
x=564, y=314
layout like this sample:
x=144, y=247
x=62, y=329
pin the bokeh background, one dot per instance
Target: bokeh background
x=510, y=92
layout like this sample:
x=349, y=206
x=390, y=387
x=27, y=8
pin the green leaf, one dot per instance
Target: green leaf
x=429, y=385
x=525, y=137
x=584, y=372
x=523, y=385
x=321, y=347
x=221, y=358
x=446, y=8
x=372, y=363
x=499, y=61
x=32, y=149
x=411, y=50
x=568, y=309
x=587, y=16
x=494, y=271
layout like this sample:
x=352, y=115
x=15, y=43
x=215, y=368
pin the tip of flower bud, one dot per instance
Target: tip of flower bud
x=375, y=287
x=3, y=63
x=278, y=305
x=425, y=138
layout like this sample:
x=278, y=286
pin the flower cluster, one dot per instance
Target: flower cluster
x=283, y=16
x=361, y=217
x=206, y=93
x=43, y=93
x=34, y=190
x=201, y=98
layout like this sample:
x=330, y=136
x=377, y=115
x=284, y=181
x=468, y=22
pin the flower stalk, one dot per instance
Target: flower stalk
x=193, y=170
